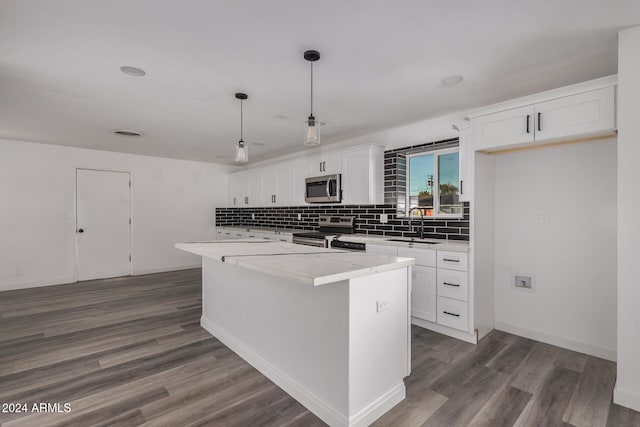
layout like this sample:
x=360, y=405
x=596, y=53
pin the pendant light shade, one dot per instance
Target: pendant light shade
x=312, y=135
x=242, y=149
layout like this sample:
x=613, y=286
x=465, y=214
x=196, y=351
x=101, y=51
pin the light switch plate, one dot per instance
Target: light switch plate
x=384, y=218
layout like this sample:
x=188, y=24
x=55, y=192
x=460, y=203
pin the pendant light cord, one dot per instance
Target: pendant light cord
x=312, y=88
x=241, y=139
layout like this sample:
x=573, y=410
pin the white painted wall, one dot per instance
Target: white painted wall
x=173, y=201
x=573, y=260
x=627, y=391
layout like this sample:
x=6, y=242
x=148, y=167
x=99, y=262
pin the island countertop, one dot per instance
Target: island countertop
x=304, y=264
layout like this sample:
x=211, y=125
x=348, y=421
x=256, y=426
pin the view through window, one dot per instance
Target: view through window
x=432, y=183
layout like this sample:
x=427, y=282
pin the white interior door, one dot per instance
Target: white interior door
x=103, y=226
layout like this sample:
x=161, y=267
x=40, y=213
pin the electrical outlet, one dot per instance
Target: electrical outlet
x=523, y=281
x=253, y=216
x=382, y=306
x=384, y=218
x=543, y=221
x=299, y=217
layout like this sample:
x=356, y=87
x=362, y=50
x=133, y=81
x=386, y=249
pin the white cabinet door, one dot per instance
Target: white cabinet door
x=355, y=178
x=255, y=189
x=504, y=129
x=285, y=184
x=242, y=189
x=575, y=115
x=382, y=249
x=232, y=198
x=424, y=257
x=464, y=155
x=325, y=164
x=299, y=186
x=269, y=187
x=423, y=296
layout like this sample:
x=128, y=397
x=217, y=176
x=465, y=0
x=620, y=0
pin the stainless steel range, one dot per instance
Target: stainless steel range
x=329, y=228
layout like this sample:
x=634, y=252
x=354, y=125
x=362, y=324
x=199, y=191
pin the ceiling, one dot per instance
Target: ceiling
x=382, y=66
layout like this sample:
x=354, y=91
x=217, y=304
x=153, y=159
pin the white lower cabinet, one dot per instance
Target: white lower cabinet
x=453, y=313
x=382, y=249
x=423, y=294
x=440, y=285
x=453, y=284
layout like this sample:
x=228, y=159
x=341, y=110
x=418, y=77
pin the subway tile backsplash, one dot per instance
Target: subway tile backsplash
x=367, y=220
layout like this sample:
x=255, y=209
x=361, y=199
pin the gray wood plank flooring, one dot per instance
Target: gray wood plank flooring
x=130, y=351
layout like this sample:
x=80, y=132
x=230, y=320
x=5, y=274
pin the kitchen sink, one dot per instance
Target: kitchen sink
x=413, y=241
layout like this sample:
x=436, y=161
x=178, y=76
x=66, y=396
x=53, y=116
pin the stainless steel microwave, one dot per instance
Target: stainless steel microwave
x=323, y=189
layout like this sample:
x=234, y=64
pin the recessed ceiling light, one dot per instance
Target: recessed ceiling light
x=258, y=144
x=126, y=132
x=221, y=157
x=282, y=117
x=452, y=80
x=133, y=71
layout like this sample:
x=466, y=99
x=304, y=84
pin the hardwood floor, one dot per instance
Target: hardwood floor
x=130, y=351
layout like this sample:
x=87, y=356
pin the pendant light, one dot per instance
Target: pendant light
x=242, y=149
x=312, y=137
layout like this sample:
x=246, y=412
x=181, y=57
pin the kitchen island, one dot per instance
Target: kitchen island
x=331, y=328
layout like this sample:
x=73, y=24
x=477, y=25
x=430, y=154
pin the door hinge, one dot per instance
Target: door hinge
x=129, y=221
x=129, y=184
x=129, y=258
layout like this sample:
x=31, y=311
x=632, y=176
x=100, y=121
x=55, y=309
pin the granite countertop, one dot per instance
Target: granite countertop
x=304, y=264
x=443, y=245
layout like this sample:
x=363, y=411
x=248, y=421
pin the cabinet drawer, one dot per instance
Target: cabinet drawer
x=453, y=284
x=425, y=257
x=452, y=260
x=453, y=313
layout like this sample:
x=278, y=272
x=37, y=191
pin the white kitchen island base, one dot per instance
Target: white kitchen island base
x=341, y=349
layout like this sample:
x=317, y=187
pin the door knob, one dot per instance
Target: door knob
x=81, y=230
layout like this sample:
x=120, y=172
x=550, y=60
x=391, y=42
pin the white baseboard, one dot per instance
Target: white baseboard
x=164, y=270
x=626, y=399
x=302, y=394
x=367, y=415
x=455, y=333
x=11, y=286
x=581, y=347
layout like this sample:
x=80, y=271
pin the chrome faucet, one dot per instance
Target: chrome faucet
x=421, y=220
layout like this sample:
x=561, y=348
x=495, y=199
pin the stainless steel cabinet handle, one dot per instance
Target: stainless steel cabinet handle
x=461, y=192
x=451, y=284
x=528, y=117
x=450, y=260
x=539, y=121
x=451, y=314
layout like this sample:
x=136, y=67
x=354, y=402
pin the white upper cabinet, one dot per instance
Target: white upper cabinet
x=575, y=115
x=242, y=189
x=325, y=164
x=256, y=194
x=363, y=177
x=561, y=114
x=232, y=199
x=464, y=155
x=504, y=129
x=283, y=184
x=270, y=185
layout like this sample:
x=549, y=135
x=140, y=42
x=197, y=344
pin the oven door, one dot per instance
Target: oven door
x=309, y=241
x=323, y=189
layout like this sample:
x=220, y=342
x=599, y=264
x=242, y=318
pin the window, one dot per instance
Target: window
x=432, y=184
